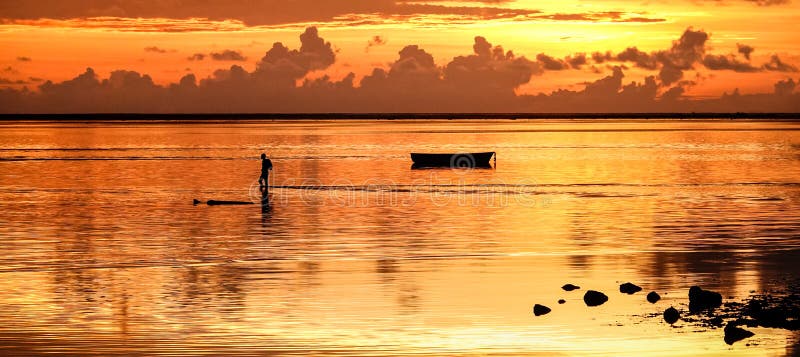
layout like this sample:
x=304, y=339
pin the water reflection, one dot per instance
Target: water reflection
x=380, y=259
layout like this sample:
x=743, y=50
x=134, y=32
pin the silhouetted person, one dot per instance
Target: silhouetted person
x=266, y=166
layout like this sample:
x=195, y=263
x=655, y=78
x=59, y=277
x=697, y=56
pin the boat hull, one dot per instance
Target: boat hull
x=454, y=160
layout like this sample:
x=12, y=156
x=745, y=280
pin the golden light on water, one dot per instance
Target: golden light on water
x=110, y=256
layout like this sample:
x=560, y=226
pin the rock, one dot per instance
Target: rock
x=570, y=287
x=594, y=298
x=539, y=310
x=562, y=301
x=734, y=334
x=700, y=299
x=772, y=317
x=653, y=297
x=629, y=288
x=671, y=315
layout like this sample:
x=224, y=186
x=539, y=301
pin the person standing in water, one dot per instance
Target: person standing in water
x=266, y=167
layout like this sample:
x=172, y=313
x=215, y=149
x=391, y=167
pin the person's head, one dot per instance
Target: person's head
x=263, y=156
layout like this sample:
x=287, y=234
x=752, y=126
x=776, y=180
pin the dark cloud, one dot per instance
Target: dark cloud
x=197, y=57
x=577, y=60
x=290, y=65
x=745, y=50
x=24, y=59
x=551, y=63
x=155, y=49
x=7, y=81
x=124, y=15
x=227, y=55
x=375, y=41
x=11, y=70
x=728, y=62
x=632, y=54
x=775, y=64
x=490, y=67
x=603, y=16
x=251, y=12
x=785, y=87
x=486, y=80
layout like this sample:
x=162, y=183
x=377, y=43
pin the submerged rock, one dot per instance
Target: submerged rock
x=734, y=333
x=629, y=288
x=594, y=298
x=561, y=301
x=539, y=310
x=700, y=299
x=671, y=315
x=653, y=297
x=570, y=287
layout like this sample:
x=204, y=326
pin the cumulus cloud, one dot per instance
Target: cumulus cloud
x=577, y=60
x=375, y=41
x=785, y=87
x=728, y=62
x=486, y=80
x=227, y=55
x=745, y=50
x=197, y=57
x=550, y=63
x=775, y=64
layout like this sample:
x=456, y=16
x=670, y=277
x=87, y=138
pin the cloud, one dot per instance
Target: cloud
x=785, y=87
x=550, y=63
x=769, y=2
x=633, y=54
x=577, y=60
x=155, y=49
x=183, y=16
x=228, y=55
x=8, y=81
x=485, y=80
x=688, y=52
x=375, y=41
x=775, y=64
x=603, y=16
x=24, y=59
x=197, y=57
x=252, y=12
x=11, y=70
x=290, y=65
x=745, y=50
x=728, y=62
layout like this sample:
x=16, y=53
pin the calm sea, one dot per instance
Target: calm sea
x=357, y=253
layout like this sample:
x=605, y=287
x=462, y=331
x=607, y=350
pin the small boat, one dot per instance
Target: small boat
x=457, y=160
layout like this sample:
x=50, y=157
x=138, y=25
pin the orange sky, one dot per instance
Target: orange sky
x=57, y=40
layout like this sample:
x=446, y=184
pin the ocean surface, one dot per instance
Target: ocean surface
x=356, y=253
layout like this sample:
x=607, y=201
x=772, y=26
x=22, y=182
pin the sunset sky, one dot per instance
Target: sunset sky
x=554, y=55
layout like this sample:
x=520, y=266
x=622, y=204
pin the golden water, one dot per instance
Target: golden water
x=358, y=254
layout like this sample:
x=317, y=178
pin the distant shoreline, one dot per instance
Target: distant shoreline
x=219, y=117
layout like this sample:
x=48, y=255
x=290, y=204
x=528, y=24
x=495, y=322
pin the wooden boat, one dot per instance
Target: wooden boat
x=458, y=160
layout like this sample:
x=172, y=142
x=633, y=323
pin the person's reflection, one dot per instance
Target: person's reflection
x=266, y=208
